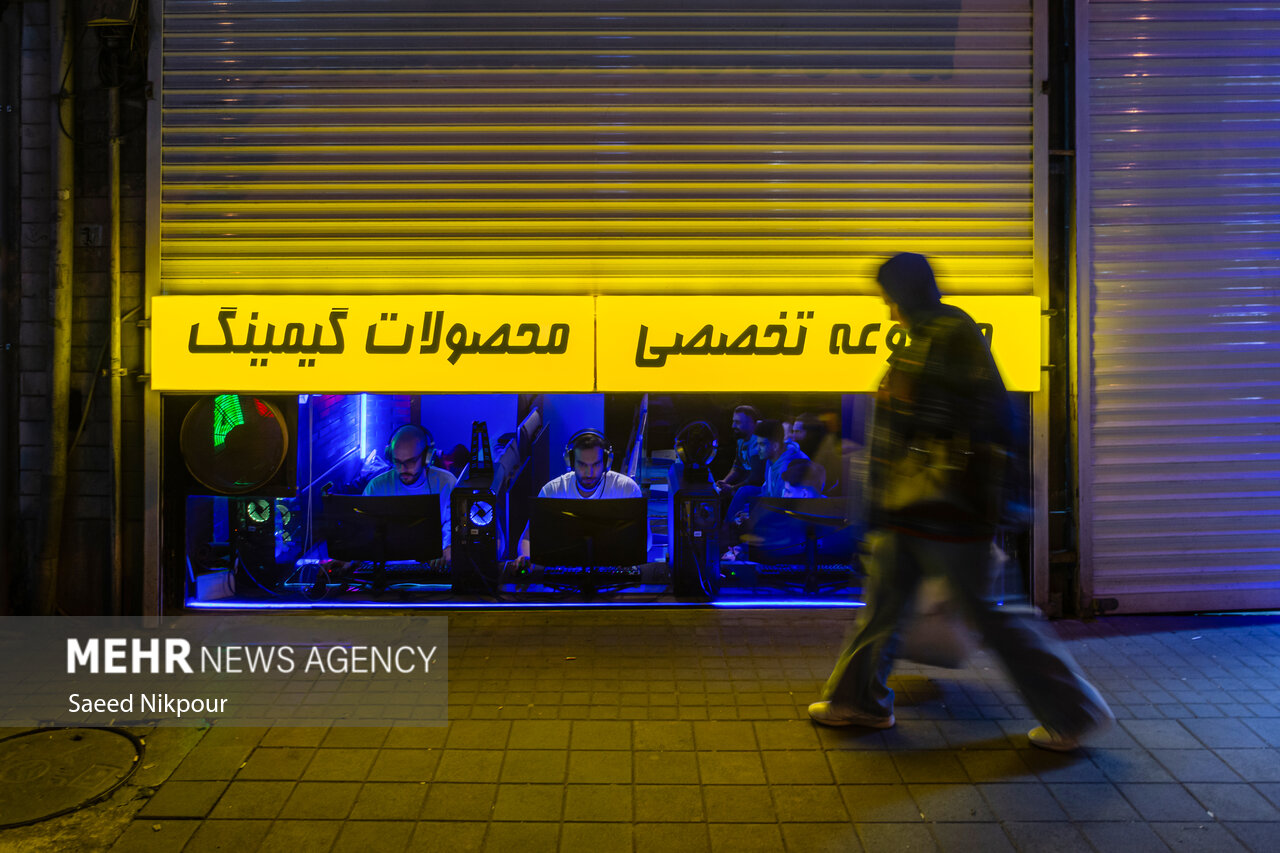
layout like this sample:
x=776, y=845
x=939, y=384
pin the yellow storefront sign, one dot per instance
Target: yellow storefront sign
x=480, y=344
x=785, y=343
x=372, y=344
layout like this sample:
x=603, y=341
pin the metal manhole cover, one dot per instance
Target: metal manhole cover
x=54, y=771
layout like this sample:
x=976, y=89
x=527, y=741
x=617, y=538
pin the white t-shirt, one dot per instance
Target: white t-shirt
x=611, y=485
x=436, y=481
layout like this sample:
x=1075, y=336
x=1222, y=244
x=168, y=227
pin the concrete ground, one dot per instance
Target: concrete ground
x=685, y=730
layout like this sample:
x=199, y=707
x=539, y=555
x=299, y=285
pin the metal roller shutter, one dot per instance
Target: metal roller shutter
x=1180, y=474
x=746, y=146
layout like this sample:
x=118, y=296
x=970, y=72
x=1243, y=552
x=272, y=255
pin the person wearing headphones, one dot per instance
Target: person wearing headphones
x=588, y=457
x=409, y=451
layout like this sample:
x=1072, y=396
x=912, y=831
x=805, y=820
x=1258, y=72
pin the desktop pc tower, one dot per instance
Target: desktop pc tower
x=694, y=533
x=475, y=567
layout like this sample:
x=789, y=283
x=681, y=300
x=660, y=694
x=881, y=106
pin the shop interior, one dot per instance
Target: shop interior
x=264, y=506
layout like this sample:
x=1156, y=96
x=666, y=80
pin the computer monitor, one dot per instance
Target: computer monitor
x=383, y=528
x=587, y=533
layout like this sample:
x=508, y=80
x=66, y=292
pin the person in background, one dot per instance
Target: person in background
x=747, y=468
x=411, y=473
x=821, y=444
x=944, y=389
x=779, y=456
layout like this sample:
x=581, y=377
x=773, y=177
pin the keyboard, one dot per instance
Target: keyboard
x=821, y=569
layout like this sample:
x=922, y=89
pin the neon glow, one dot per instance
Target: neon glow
x=540, y=605
x=227, y=415
x=364, y=423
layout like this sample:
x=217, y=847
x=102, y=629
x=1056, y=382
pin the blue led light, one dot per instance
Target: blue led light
x=768, y=604
x=364, y=420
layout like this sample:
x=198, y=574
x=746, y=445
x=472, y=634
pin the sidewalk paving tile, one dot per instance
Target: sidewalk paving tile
x=730, y=768
x=668, y=803
x=808, y=803
x=338, y=765
x=821, y=838
x=1257, y=837
x=447, y=837
x=950, y=803
x=896, y=836
x=389, y=801
x=320, y=801
x=1232, y=802
x=609, y=803
x=155, y=836
x=887, y=803
x=302, y=835
x=1129, y=836
x=183, y=799
x=362, y=836
x=671, y=838
x=742, y=838
x=660, y=768
x=1163, y=802
x=1202, y=837
x=529, y=803
x=246, y=800
x=525, y=837
x=596, y=837
x=459, y=801
x=534, y=765
x=222, y=835
x=971, y=837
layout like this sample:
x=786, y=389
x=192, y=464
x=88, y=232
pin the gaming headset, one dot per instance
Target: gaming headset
x=696, y=444
x=571, y=446
x=428, y=443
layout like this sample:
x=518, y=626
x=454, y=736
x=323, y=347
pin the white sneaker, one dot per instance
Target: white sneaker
x=830, y=714
x=1045, y=739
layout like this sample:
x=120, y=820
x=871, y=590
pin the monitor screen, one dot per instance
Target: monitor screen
x=384, y=528
x=571, y=532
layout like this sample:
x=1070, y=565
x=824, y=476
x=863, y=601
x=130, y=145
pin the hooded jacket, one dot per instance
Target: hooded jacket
x=944, y=385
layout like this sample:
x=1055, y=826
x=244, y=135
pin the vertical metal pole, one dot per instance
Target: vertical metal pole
x=152, y=546
x=1081, y=301
x=117, y=415
x=1040, y=231
x=10, y=292
x=62, y=47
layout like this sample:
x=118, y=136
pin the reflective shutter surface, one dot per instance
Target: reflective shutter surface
x=609, y=147
x=1185, y=232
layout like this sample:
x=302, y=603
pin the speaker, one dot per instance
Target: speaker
x=693, y=512
x=230, y=444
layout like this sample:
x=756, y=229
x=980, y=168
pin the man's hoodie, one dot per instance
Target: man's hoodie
x=908, y=280
x=775, y=469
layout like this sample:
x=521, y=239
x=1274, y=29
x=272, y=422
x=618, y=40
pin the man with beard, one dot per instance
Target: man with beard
x=588, y=455
x=409, y=451
x=748, y=467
